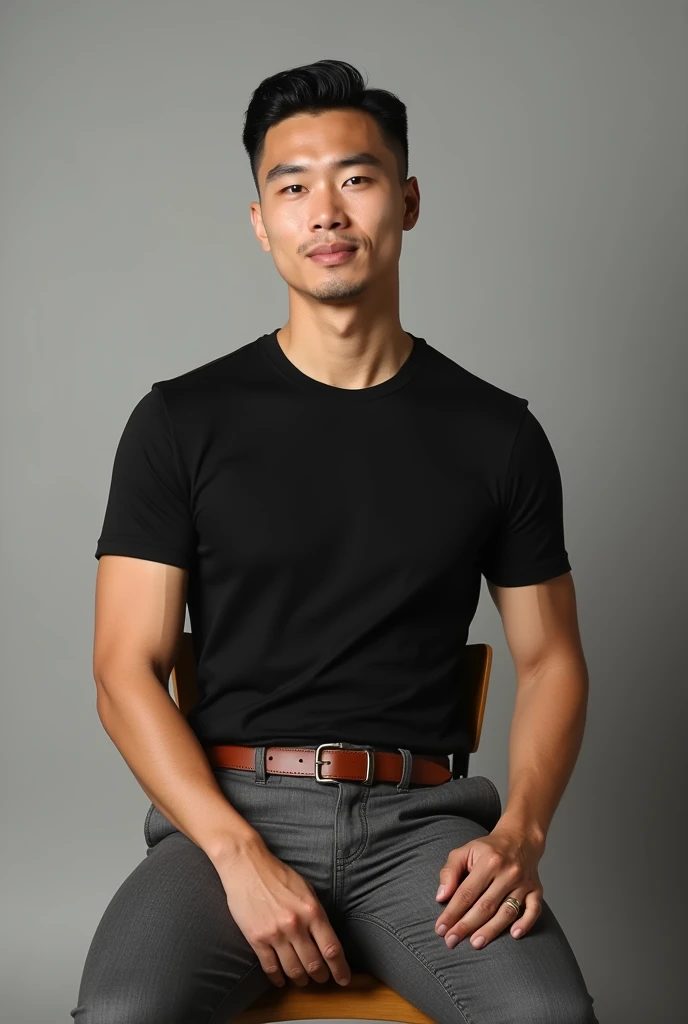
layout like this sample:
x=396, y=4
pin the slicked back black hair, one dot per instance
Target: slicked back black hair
x=324, y=85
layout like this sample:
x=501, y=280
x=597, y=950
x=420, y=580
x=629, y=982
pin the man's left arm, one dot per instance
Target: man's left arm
x=541, y=628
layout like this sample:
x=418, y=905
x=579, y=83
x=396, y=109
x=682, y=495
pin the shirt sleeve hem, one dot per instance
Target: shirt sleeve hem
x=529, y=574
x=121, y=545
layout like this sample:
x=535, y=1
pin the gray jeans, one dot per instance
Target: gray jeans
x=166, y=950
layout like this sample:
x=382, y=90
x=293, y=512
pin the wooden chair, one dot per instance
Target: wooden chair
x=365, y=997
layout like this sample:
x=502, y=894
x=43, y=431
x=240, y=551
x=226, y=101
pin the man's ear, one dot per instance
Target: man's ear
x=258, y=226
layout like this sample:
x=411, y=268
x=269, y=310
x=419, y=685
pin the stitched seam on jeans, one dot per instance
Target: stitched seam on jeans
x=146, y=825
x=221, y=1004
x=364, y=829
x=419, y=956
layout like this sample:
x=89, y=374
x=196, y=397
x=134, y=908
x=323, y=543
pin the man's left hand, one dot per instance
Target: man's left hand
x=500, y=864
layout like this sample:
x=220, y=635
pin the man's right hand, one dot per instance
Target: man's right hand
x=280, y=915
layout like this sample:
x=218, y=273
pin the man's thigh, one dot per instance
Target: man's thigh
x=388, y=912
x=167, y=948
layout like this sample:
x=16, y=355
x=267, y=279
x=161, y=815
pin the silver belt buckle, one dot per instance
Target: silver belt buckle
x=370, y=763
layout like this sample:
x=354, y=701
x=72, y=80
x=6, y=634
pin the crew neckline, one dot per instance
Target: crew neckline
x=271, y=347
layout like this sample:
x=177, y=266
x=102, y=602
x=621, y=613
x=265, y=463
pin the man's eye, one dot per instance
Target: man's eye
x=287, y=187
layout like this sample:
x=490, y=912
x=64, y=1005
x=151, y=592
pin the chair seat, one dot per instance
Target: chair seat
x=364, y=998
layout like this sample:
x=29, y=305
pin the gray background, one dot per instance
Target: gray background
x=551, y=258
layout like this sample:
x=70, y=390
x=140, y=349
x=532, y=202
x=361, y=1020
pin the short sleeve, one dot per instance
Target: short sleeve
x=528, y=543
x=147, y=513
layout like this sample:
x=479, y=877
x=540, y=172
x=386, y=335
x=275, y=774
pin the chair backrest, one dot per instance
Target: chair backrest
x=473, y=683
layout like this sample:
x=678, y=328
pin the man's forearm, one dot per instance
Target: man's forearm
x=546, y=735
x=170, y=764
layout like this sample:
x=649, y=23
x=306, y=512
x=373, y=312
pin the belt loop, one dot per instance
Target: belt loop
x=403, y=784
x=259, y=764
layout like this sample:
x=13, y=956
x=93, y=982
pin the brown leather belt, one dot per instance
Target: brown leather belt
x=332, y=762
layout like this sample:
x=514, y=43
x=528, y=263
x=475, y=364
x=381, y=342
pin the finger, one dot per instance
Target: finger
x=291, y=962
x=504, y=916
x=529, y=916
x=452, y=871
x=484, y=908
x=463, y=900
x=269, y=961
x=331, y=949
x=311, y=957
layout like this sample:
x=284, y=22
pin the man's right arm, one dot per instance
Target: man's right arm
x=139, y=617
x=138, y=624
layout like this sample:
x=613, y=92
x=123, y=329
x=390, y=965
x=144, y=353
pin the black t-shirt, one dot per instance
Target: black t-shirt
x=334, y=538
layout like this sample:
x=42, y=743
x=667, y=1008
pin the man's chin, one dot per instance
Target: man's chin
x=341, y=290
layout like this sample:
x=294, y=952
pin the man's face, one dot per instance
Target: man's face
x=362, y=204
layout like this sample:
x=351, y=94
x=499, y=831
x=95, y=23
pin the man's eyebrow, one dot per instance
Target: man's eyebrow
x=355, y=160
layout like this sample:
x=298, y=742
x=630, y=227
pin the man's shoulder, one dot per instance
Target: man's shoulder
x=473, y=395
x=219, y=374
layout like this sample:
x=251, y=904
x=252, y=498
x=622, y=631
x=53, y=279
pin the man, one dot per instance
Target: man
x=326, y=498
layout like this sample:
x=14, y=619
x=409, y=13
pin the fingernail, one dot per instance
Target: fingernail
x=452, y=940
x=441, y=929
x=345, y=981
x=517, y=933
x=440, y=893
x=479, y=942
